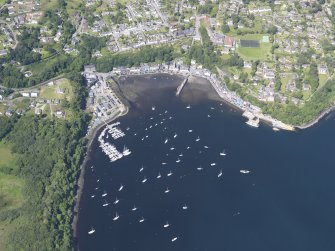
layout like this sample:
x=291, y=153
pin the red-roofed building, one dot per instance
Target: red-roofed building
x=229, y=42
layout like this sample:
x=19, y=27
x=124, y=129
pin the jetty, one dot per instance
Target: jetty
x=115, y=131
x=252, y=119
x=181, y=86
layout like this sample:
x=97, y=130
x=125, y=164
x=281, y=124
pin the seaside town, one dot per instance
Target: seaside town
x=99, y=89
x=282, y=50
x=63, y=62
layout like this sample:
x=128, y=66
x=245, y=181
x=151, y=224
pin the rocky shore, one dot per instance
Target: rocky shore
x=315, y=121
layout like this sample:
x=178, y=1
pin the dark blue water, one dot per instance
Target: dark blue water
x=286, y=202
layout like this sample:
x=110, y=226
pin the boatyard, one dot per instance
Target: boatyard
x=104, y=103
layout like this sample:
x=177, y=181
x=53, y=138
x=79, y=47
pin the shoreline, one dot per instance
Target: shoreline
x=223, y=95
x=83, y=166
x=193, y=79
x=316, y=120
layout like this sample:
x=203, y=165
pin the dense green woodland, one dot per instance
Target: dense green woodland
x=129, y=59
x=49, y=155
x=206, y=55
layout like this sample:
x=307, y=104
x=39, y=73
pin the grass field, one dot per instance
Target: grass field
x=11, y=196
x=2, y=2
x=72, y=5
x=10, y=192
x=322, y=79
x=48, y=5
x=52, y=92
x=3, y=108
x=6, y=158
x=260, y=53
x=21, y=103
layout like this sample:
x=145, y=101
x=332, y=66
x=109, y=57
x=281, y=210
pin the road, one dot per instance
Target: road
x=154, y=3
x=10, y=27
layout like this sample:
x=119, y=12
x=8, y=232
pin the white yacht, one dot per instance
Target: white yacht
x=188, y=147
x=167, y=190
x=141, y=220
x=166, y=140
x=220, y=173
x=105, y=204
x=121, y=187
x=213, y=164
x=175, y=136
x=170, y=173
x=116, y=217
x=181, y=155
x=178, y=160
x=206, y=147
x=166, y=225
x=144, y=180
x=174, y=239
x=199, y=168
x=92, y=196
x=188, y=107
x=134, y=208
x=159, y=176
x=153, y=108
x=116, y=201
x=172, y=148
x=197, y=139
x=223, y=153
x=244, y=171
x=190, y=130
x=91, y=231
x=141, y=169
x=185, y=207
x=163, y=163
x=104, y=194
x=126, y=151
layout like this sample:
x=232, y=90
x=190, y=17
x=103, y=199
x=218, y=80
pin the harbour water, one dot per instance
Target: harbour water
x=285, y=202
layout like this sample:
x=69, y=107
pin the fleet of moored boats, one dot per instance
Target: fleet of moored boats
x=111, y=151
